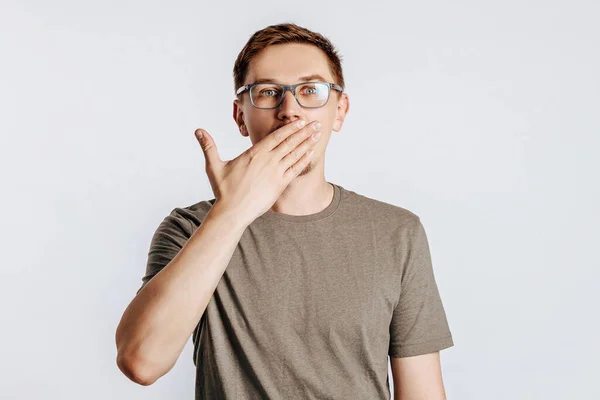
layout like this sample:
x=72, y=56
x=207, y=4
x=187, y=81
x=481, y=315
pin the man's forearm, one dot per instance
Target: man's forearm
x=159, y=321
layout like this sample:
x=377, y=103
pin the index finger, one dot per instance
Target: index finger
x=279, y=135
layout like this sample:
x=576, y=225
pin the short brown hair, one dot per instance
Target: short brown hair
x=285, y=33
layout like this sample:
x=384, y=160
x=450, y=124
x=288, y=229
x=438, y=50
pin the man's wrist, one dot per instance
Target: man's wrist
x=235, y=218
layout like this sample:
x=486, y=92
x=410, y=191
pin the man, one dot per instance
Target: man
x=292, y=287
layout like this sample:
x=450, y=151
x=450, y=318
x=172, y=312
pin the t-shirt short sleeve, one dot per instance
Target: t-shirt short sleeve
x=419, y=324
x=168, y=239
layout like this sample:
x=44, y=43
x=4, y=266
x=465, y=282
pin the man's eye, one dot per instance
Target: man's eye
x=309, y=90
x=268, y=93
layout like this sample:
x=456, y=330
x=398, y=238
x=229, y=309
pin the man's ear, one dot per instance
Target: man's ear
x=238, y=117
x=343, y=107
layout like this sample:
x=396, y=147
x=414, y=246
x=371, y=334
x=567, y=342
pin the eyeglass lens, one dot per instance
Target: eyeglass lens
x=268, y=95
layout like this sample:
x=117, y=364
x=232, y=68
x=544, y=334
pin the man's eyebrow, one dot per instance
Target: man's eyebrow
x=314, y=77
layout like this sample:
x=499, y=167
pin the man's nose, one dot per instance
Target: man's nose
x=289, y=107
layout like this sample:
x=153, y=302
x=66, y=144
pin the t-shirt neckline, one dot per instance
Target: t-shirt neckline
x=271, y=215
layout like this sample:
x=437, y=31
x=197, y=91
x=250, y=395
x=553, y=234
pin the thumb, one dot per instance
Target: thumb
x=209, y=148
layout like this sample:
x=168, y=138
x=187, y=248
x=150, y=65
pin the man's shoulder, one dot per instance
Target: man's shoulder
x=381, y=211
x=191, y=214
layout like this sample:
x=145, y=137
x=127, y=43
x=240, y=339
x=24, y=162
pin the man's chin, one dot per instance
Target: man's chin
x=306, y=169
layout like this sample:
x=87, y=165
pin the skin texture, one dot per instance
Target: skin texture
x=418, y=377
x=287, y=63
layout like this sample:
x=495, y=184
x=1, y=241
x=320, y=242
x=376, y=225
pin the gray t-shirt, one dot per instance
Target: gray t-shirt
x=311, y=306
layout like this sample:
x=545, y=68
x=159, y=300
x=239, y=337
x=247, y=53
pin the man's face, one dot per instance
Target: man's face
x=288, y=64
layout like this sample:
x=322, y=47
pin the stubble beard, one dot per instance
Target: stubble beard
x=306, y=169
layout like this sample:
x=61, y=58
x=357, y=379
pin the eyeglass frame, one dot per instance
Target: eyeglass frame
x=291, y=88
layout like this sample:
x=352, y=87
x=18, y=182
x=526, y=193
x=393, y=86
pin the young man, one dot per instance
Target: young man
x=291, y=286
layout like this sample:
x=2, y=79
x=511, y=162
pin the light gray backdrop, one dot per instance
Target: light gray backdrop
x=481, y=117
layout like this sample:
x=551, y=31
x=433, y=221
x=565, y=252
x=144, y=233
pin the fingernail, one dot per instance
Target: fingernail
x=317, y=135
x=301, y=123
x=317, y=126
x=199, y=134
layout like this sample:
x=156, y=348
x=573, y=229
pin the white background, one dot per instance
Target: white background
x=480, y=117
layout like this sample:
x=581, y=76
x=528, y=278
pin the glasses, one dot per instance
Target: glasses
x=267, y=96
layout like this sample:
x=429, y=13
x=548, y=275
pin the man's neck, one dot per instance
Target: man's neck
x=308, y=194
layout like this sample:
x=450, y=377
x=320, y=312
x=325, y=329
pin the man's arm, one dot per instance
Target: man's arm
x=418, y=377
x=160, y=319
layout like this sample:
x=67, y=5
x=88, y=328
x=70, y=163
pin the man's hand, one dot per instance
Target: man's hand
x=251, y=183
